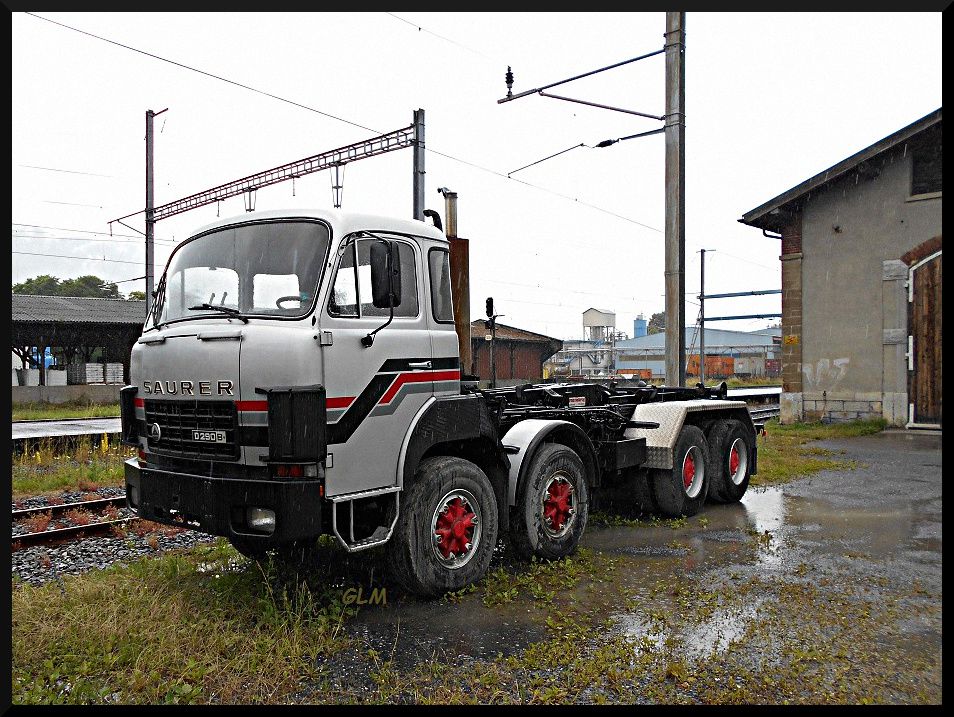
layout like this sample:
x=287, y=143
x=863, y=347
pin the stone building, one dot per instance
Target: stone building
x=861, y=283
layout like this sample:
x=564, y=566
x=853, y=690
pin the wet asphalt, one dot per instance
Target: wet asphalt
x=868, y=537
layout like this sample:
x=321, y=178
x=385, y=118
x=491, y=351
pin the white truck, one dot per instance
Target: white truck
x=299, y=375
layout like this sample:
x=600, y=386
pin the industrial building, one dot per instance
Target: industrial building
x=594, y=355
x=518, y=354
x=728, y=353
x=606, y=352
x=861, y=283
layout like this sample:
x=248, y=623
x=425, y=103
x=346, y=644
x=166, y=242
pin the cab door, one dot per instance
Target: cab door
x=373, y=392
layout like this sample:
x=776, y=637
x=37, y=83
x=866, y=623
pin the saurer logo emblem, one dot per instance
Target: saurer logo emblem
x=155, y=432
x=189, y=388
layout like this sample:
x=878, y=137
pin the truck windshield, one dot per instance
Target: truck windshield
x=268, y=269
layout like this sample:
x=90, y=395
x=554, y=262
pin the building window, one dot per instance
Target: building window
x=926, y=168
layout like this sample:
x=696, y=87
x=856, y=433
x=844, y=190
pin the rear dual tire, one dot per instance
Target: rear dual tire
x=731, y=450
x=682, y=489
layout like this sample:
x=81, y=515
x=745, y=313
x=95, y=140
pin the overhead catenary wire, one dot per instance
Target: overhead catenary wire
x=84, y=231
x=83, y=258
x=341, y=119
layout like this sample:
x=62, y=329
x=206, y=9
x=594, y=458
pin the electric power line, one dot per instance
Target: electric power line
x=83, y=258
x=56, y=238
x=66, y=171
x=85, y=231
x=203, y=72
x=445, y=39
x=340, y=119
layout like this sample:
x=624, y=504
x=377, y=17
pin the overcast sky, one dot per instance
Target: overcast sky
x=771, y=99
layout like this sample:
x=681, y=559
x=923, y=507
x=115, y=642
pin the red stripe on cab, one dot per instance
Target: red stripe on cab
x=417, y=377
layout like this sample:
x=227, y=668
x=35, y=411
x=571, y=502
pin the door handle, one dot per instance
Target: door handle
x=421, y=364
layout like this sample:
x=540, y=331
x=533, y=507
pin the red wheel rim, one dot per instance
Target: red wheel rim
x=693, y=472
x=688, y=471
x=455, y=528
x=559, y=506
x=734, y=460
x=738, y=461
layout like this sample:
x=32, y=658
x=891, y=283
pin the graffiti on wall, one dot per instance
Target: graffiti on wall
x=825, y=374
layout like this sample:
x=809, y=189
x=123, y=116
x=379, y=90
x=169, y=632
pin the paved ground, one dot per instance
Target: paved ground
x=71, y=427
x=824, y=590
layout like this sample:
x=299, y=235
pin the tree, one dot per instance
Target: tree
x=137, y=296
x=46, y=285
x=43, y=285
x=657, y=323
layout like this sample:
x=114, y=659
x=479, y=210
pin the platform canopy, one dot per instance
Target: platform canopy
x=73, y=327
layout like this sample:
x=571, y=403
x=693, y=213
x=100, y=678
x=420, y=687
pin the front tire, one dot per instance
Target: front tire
x=682, y=489
x=552, y=505
x=447, y=529
x=731, y=450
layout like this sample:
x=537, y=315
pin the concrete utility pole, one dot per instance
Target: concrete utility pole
x=150, y=219
x=675, y=199
x=419, y=165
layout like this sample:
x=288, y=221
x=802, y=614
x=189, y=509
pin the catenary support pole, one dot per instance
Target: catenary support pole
x=150, y=216
x=150, y=221
x=675, y=200
x=419, y=164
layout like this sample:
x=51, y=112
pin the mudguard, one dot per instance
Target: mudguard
x=521, y=441
x=671, y=416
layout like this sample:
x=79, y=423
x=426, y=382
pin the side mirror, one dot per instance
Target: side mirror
x=385, y=274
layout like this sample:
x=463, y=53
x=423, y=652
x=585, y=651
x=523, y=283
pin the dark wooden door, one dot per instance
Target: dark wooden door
x=924, y=363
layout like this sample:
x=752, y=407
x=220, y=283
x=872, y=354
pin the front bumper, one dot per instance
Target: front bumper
x=218, y=505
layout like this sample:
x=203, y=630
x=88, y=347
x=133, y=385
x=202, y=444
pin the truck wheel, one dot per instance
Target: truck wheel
x=552, y=505
x=730, y=452
x=682, y=490
x=447, y=528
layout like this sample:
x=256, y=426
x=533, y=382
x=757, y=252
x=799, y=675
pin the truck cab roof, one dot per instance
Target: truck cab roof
x=342, y=223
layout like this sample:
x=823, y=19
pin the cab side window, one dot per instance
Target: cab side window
x=351, y=291
x=441, y=303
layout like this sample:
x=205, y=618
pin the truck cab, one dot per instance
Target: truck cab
x=277, y=308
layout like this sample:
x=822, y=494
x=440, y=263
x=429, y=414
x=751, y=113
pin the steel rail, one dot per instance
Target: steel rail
x=56, y=535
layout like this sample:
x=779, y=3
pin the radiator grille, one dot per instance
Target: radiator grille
x=178, y=419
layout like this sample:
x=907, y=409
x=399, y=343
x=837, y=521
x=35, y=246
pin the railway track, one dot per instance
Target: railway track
x=97, y=524
x=762, y=414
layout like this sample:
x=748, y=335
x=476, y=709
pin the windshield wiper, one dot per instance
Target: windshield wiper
x=224, y=309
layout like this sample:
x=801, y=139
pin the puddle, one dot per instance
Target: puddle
x=414, y=631
x=719, y=630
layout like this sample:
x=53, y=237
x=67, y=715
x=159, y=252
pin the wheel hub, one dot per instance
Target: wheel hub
x=559, y=506
x=738, y=461
x=693, y=472
x=688, y=471
x=455, y=528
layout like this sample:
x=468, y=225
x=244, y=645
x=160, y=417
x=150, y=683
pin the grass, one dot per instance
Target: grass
x=42, y=467
x=73, y=409
x=754, y=381
x=784, y=454
x=179, y=628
